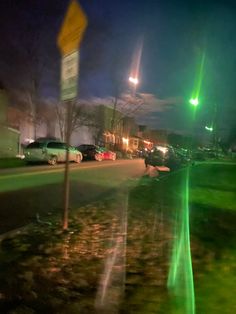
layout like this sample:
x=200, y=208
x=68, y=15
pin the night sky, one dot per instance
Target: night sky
x=175, y=34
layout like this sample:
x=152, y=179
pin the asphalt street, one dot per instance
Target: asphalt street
x=26, y=192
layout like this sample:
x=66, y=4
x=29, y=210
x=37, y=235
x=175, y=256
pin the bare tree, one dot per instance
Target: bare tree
x=25, y=57
x=81, y=115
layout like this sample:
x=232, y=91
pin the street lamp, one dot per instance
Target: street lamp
x=133, y=80
x=194, y=101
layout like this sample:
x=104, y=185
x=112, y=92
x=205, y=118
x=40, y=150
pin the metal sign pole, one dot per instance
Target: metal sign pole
x=69, y=39
x=70, y=73
x=66, y=173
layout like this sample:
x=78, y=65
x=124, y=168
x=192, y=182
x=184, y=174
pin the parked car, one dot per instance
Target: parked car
x=164, y=157
x=184, y=155
x=51, y=151
x=94, y=152
x=141, y=153
x=198, y=155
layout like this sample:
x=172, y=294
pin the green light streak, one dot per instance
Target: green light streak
x=199, y=78
x=194, y=101
x=209, y=128
x=180, y=279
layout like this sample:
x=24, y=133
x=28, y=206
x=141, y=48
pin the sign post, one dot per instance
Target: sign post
x=69, y=39
x=69, y=75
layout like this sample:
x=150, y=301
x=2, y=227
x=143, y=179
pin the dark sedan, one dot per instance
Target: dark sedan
x=164, y=158
x=94, y=152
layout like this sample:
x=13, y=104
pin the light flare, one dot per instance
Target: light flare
x=134, y=76
x=180, y=279
x=133, y=80
x=199, y=77
x=112, y=284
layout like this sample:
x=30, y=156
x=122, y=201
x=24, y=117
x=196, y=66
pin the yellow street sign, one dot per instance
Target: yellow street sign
x=72, y=29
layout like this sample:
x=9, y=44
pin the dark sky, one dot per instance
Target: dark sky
x=175, y=34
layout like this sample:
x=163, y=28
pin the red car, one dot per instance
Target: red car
x=94, y=152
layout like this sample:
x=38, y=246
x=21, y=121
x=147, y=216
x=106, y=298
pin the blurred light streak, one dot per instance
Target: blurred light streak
x=209, y=128
x=200, y=76
x=198, y=82
x=134, y=76
x=112, y=283
x=180, y=279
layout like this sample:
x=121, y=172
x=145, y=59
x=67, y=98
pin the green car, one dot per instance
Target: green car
x=51, y=152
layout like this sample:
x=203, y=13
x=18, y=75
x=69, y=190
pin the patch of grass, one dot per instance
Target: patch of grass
x=213, y=198
x=213, y=219
x=214, y=186
x=215, y=288
x=11, y=163
x=217, y=175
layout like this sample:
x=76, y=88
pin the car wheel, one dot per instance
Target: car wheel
x=78, y=158
x=98, y=157
x=52, y=161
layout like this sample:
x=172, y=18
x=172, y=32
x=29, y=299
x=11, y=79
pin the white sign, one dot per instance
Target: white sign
x=69, y=75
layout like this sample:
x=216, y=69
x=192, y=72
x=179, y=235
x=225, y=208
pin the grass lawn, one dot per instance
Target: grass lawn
x=213, y=221
x=214, y=186
x=11, y=163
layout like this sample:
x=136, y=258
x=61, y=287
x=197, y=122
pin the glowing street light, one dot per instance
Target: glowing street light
x=125, y=141
x=133, y=80
x=194, y=101
x=209, y=128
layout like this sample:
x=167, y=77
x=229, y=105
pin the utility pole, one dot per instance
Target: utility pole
x=114, y=118
x=114, y=114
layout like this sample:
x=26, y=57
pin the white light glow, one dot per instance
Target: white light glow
x=125, y=140
x=162, y=149
x=133, y=80
x=29, y=140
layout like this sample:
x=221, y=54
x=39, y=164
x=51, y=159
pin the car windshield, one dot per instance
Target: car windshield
x=101, y=149
x=35, y=145
x=85, y=147
x=58, y=145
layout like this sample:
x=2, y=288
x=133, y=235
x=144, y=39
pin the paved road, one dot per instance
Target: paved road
x=30, y=190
